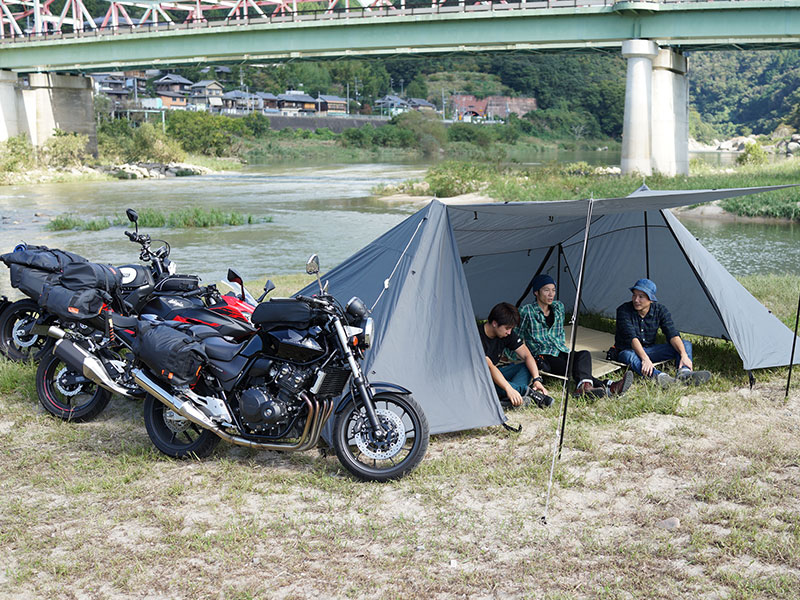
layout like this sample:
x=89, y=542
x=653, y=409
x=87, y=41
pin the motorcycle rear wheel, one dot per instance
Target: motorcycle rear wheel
x=15, y=344
x=66, y=393
x=374, y=460
x=173, y=435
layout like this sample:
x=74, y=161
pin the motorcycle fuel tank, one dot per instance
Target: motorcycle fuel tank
x=291, y=344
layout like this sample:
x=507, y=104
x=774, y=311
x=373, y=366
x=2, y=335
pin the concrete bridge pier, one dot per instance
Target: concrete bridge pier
x=670, y=116
x=655, y=129
x=38, y=103
x=636, y=125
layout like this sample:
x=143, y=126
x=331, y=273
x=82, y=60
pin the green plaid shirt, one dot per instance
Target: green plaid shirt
x=538, y=337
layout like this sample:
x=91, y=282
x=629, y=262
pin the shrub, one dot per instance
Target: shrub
x=17, y=153
x=753, y=155
x=449, y=179
x=150, y=144
x=65, y=149
x=359, y=137
x=204, y=133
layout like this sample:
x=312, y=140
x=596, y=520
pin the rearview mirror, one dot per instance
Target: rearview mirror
x=312, y=266
x=133, y=216
x=234, y=277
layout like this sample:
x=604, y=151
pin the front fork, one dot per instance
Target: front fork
x=360, y=383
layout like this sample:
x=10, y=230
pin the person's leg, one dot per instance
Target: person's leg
x=657, y=353
x=582, y=369
x=517, y=375
x=687, y=375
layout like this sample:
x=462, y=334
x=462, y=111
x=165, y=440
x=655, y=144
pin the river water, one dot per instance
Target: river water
x=328, y=210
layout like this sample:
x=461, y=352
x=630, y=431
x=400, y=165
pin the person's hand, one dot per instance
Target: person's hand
x=685, y=362
x=538, y=385
x=514, y=396
x=647, y=367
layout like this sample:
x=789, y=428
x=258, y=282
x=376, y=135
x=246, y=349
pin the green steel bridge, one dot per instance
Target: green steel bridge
x=394, y=29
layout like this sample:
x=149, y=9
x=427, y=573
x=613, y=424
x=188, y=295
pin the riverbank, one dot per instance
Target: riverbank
x=462, y=182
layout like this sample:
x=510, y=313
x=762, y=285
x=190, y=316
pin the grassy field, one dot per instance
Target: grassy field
x=658, y=494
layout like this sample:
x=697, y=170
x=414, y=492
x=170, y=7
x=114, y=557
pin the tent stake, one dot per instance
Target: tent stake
x=572, y=340
x=794, y=343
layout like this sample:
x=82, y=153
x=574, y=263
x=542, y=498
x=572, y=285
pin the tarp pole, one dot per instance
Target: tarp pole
x=794, y=343
x=646, y=247
x=539, y=270
x=573, y=337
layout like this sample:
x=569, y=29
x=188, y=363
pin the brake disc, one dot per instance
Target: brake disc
x=175, y=422
x=23, y=340
x=395, y=436
x=75, y=389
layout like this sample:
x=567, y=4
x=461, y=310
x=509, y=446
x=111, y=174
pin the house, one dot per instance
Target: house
x=174, y=100
x=206, y=93
x=296, y=103
x=269, y=102
x=173, y=91
x=112, y=85
x=421, y=104
x=238, y=101
x=332, y=105
x=218, y=71
x=392, y=104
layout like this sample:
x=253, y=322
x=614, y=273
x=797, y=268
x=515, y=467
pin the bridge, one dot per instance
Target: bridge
x=653, y=36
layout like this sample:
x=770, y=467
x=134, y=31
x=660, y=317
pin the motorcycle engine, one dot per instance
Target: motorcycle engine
x=268, y=408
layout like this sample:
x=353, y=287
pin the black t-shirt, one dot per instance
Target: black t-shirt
x=493, y=347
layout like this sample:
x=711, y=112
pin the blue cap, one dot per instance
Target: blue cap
x=541, y=280
x=648, y=287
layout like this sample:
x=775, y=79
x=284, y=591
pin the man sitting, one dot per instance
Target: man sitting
x=638, y=322
x=511, y=381
x=542, y=329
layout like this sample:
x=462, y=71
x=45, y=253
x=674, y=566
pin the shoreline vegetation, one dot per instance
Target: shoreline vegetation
x=470, y=162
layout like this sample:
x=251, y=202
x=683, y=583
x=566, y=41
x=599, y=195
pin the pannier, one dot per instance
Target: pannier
x=41, y=257
x=30, y=281
x=172, y=354
x=178, y=283
x=282, y=312
x=88, y=275
x=72, y=304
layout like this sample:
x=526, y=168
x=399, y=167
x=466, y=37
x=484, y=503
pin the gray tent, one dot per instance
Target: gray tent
x=434, y=273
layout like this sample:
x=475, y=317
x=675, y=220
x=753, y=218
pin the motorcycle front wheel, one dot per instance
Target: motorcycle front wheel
x=174, y=435
x=66, y=393
x=402, y=449
x=16, y=341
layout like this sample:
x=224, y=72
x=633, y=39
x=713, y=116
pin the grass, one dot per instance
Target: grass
x=184, y=218
x=91, y=509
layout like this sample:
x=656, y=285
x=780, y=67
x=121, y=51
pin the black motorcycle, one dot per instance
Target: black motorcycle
x=277, y=390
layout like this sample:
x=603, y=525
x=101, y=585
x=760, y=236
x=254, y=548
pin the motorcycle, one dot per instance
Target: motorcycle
x=278, y=389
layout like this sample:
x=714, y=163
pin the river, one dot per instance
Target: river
x=328, y=210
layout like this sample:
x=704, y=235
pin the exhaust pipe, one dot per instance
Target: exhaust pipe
x=187, y=410
x=49, y=330
x=83, y=362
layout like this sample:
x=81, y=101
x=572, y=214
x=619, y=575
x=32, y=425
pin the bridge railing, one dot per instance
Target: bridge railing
x=161, y=16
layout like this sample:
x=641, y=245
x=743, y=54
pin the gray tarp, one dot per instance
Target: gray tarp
x=448, y=264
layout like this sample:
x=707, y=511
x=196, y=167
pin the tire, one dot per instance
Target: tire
x=370, y=460
x=14, y=343
x=65, y=393
x=175, y=436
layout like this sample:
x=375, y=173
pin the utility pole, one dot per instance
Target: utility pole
x=444, y=113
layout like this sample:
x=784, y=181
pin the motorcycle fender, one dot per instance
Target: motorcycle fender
x=376, y=387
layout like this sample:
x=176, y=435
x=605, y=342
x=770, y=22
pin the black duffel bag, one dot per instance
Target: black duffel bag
x=173, y=355
x=41, y=257
x=89, y=275
x=30, y=281
x=72, y=304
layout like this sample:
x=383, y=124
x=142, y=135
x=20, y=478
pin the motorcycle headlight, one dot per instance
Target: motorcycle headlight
x=356, y=307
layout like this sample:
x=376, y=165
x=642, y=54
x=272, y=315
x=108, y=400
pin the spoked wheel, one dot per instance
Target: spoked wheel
x=174, y=435
x=66, y=393
x=392, y=457
x=16, y=340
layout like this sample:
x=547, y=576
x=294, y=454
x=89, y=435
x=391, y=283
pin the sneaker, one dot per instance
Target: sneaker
x=665, y=380
x=586, y=390
x=693, y=377
x=617, y=388
x=541, y=400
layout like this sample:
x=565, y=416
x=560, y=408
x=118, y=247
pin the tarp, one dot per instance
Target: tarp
x=438, y=271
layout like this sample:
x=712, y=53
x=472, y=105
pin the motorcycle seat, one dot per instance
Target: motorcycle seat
x=217, y=348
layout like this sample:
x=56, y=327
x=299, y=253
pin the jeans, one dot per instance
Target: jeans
x=657, y=353
x=517, y=375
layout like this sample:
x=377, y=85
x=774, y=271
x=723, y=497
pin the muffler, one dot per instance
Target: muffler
x=187, y=410
x=91, y=367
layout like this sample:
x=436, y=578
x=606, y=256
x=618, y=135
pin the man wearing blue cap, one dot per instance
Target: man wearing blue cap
x=638, y=322
x=542, y=329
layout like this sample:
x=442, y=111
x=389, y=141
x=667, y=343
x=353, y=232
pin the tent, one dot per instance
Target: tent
x=432, y=275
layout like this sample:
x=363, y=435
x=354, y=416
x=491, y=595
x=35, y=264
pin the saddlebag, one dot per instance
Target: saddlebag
x=89, y=275
x=178, y=283
x=173, y=355
x=41, y=257
x=30, y=281
x=72, y=304
x=284, y=312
